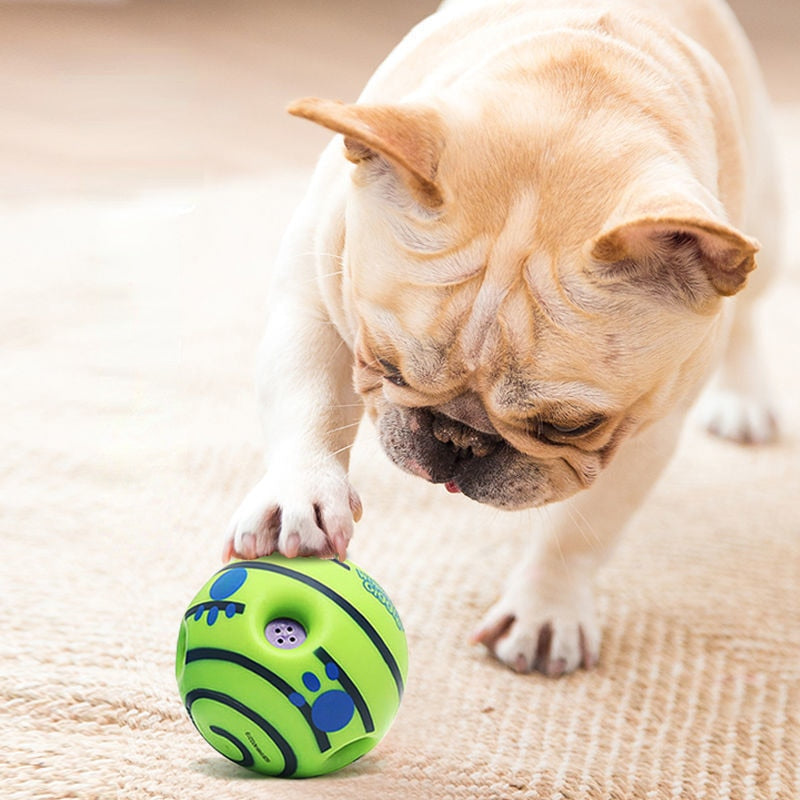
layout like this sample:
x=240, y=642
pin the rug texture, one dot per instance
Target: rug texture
x=128, y=329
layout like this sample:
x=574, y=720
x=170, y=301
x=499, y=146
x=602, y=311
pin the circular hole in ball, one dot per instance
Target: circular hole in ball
x=285, y=634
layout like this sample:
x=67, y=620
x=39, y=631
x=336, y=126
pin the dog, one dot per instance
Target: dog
x=519, y=255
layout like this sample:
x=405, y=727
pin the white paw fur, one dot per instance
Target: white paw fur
x=738, y=417
x=297, y=513
x=527, y=631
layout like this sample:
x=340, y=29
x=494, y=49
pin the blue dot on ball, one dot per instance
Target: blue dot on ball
x=229, y=582
x=311, y=682
x=332, y=710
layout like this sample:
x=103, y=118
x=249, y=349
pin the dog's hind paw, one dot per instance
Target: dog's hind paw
x=738, y=418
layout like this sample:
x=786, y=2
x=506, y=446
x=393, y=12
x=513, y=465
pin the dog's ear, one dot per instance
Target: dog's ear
x=692, y=255
x=408, y=137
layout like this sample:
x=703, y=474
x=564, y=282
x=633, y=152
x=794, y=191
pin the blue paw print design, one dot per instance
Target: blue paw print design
x=333, y=709
x=221, y=591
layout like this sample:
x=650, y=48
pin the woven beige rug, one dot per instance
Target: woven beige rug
x=127, y=335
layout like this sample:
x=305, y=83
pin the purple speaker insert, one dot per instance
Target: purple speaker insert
x=285, y=634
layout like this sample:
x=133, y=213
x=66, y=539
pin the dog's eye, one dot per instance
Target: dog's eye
x=391, y=373
x=557, y=430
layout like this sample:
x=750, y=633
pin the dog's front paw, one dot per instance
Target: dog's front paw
x=527, y=632
x=738, y=418
x=296, y=513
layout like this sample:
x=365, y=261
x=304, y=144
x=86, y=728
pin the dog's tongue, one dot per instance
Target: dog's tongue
x=452, y=487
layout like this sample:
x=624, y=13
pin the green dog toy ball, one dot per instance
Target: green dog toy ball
x=291, y=667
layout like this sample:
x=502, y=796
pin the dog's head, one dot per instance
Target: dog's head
x=527, y=293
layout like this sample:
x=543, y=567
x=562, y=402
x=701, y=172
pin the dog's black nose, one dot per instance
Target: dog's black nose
x=467, y=441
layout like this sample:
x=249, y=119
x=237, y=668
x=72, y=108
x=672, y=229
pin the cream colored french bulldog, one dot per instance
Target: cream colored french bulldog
x=519, y=257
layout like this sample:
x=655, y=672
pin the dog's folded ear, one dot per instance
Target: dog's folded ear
x=693, y=255
x=408, y=137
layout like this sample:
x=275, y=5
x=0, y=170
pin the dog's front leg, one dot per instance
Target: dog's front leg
x=545, y=620
x=304, y=504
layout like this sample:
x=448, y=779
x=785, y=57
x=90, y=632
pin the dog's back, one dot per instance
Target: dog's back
x=458, y=43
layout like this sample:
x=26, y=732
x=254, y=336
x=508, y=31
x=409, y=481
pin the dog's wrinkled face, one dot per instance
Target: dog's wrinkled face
x=515, y=320
x=515, y=381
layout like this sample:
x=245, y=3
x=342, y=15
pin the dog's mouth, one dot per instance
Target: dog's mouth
x=482, y=466
x=467, y=442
